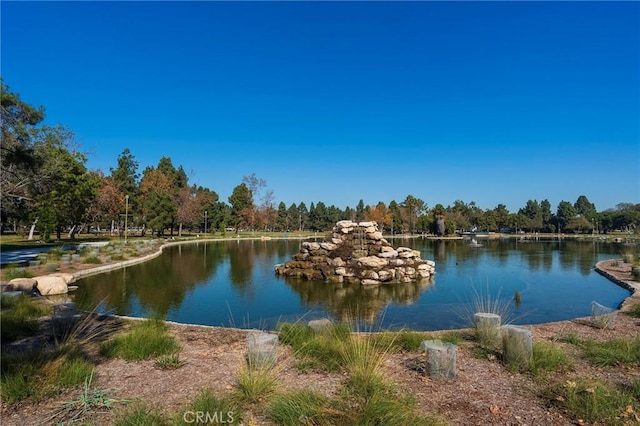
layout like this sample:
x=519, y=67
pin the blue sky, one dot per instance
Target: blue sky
x=492, y=102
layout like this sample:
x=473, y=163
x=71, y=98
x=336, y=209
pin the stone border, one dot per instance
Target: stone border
x=632, y=286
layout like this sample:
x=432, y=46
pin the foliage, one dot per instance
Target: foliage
x=548, y=357
x=170, y=361
x=139, y=415
x=146, y=339
x=596, y=402
x=14, y=271
x=221, y=409
x=255, y=382
x=19, y=317
x=635, y=310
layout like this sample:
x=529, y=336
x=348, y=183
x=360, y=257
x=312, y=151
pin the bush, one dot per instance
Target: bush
x=145, y=339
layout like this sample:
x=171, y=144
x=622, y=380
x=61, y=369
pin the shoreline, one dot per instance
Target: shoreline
x=613, y=269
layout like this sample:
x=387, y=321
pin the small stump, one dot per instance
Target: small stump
x=440, y=359
x=262, y=349
x=487, y=327
x=517, y=345
x=603, y=317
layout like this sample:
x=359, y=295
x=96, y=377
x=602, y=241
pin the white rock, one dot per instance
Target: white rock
x=49, y=285
x=388, y=254
x=345, y=224
x=368, y=224
x=68, y=278
x=377, y=235
x=369, y=282
x=374, y=262
x=338, y=262
x=328, y=246
x=22, y=284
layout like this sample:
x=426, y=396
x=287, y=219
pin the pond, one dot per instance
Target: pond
x=233, y=284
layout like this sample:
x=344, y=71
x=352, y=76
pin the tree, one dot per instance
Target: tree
x=380, y=214
x=566, y=212
x=283, y=219
x=17, y=156
x=125, y=175
x=242, y=208
x=547, y=216
x=303, y=215
x=531, y=216
x=360, y=211
x=439, y=215
x=396, y=217
x=585, y=208
x=108, y=203
x=64, y=189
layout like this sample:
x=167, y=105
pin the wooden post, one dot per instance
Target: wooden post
x=517, y=345
x=262, y=349
x=440, y=358
x=487, y=327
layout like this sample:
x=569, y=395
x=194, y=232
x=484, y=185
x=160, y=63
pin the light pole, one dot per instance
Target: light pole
x=205, y=222
x=126, y=216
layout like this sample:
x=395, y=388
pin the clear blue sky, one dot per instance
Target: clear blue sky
x=492, y=102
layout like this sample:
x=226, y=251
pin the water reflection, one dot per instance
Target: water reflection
x=348, y=302
x=209, y=283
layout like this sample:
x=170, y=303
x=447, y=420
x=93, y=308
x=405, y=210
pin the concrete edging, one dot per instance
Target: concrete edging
x=632, y=286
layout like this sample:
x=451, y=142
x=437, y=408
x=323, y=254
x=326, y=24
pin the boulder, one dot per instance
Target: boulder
x=388, y=254
x=49, y=285
x=374, y=262
x=68, y=278
x=22, y=284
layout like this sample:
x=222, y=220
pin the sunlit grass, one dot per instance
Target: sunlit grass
x=144, y=340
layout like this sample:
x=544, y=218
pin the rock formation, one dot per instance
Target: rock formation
x=357, y=253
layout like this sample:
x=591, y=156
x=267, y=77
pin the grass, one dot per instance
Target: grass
x=304, y=407
x=90, y=400
x=613, y=352
x=209, y=408
x=548, y=357
x=635, y=311
x=93, y=260
x=146, y=339
x=19, y=317
x=170, y=361
x=16, y=271
x=140, y=415
x=596, y=402
x=255, y=382
x=315, y=350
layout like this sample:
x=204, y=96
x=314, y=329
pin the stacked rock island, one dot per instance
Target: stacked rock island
x=357, y=253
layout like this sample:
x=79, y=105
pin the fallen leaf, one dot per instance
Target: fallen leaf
x=495, y=410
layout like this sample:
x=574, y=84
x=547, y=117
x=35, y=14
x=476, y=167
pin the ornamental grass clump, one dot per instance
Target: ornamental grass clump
x=146, y=339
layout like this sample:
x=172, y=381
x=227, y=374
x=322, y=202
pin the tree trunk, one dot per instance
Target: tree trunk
x=180, y=230
x=72, y=232
x=33, y=228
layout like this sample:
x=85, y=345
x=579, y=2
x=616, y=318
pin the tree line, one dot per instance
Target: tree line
x=46, y=185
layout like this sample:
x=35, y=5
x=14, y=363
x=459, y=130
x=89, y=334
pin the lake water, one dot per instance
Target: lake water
x=232, y=283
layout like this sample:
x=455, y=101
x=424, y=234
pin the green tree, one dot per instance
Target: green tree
x=585, y=208
x=414, y=208
x=566, y=212
x=303, y=215
x=360, y=211
x=17, y=156
x=283, y=219
x=242, y=207
x=396, y=218
x=64, y=189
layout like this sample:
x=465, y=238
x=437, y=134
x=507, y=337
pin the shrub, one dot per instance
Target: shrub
x=145, y=339
x=15, y=271
x=594, y=401
x=548, y=357
x=140, y=415
x=93, y=260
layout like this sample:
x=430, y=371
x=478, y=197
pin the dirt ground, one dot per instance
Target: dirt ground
x=485, y=391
